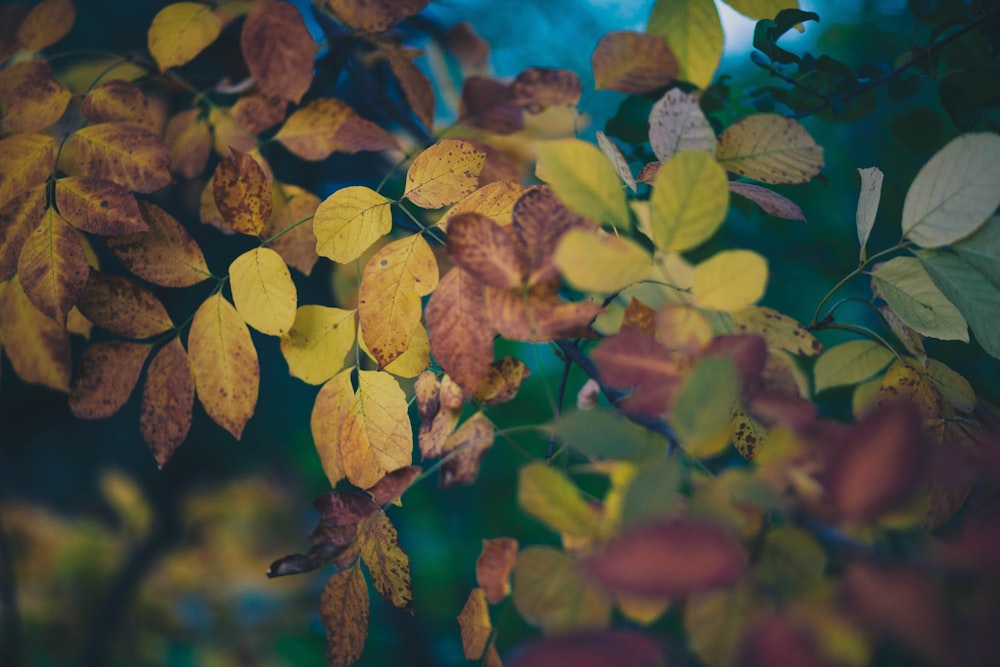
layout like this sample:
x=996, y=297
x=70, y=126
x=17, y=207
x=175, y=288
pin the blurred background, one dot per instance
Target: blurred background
x=112, y=561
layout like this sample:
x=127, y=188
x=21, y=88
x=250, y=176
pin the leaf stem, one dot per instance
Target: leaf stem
x=286, y=230
x=424, y=229
x=867, y=333
x=846, y=279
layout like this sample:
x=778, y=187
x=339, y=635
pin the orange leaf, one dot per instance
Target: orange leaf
x=190, y=142
x=117, y=101
x=128, y=154
x=538, y=88
x=495, y=201
x=391, y=487
x=474, y=622
x=485, y=250
x=26, y=161
x=32, y=98
x=242, y=193
x=460, y=330
x=387, y=562
x=46, y=23
x=502, y=381
x=278, y=49
x=98, y=206
x=415, y=85
x=167, y=400
x=326, y=126
x=297, y=246
x=18, y=218
x=37, y=346
x=639, y=317
x=106, y=377
x=331, y=406
x=224, y=361
x=493, y=567
x=632, y=62
x=537, y=314
x=375, y=15
x=344, y=609
x=123, y=307
x=53, y=266
x=444, y=173
x=165, y=255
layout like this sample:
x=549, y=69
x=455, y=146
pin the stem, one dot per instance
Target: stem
x=424, y=229
x=856, y=272
x=867, y=333
x=286, y=230
x=567, y=365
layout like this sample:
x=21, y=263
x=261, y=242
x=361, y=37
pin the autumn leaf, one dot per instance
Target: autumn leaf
x=591, y=649
x=769, y=148
x=278, y=49
x=46, y=23
x=716, y=621
x=704, y=403
x=613, y=153
x=318, y=342
x=730, y=280
x=637, y=362
x=31, y=97
x=332, y=404
x=769, y=201
x=599, y=262
x=632, y=62
x=180, y=31
x=850, y=363
x=242, y=193
x=488, y=105
x=548, y=495
x=98, y=206
x=36, y=345
x=868, y=201
x=344, y=608
x=375, y=435
x=538, y=88
x=694, y=32
x=53, y=267
x=224, y=361
x=439, y=405
x=493, y=568
x=263, y=291
x=416, y=87
x=537, y=314
x=389, y=305
x=443, y=174
x=349, y=221
x=466, y=447
x=375, y=15
x=108, y=372
x=128, y=154
x=386, y=561
x=677, y=124
x=19, y=217
x=117, y=101
x=779, y=330
x=552, y=592
x=167, y=401
x=539, y=221
x=190, y=142
x=584, y=180
x=166, y=255
x=495, y=201
x=485, y=250
x=326, y=126
x=502, y=381
x=460, y=329
x=123, y=307
x=413, y=360
x=26, y=160
x=474, y=622
x=289, y=230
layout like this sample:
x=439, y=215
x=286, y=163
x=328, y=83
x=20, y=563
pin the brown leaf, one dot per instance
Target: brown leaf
x=499, y=166
x=748, y=353
x=487, y=104
x=475, y=625
x=37, y=346
x=296, y=246
x=639, y=318
x=387, y=562
x=128, y=154
x=438, y=414
x=98, y=206
x=375, y=15
x=493, y=567
x=495, y=201
x=46, y=23
x=538, y=88
x=502, y=381
x=466, y=447
x=122, y=307
x=105, y=379
x=242, y=193
x=540, y=220
x=326, y=126
x=537, y=314
x=31, y=98
x=190, y=143
x=636, y=361
x=460, y=330
x=649, y=172
x=53, y=267
x=344, y=508
x=167, y=400
x=166, y=255
x=632, y=62
x=278, y=49
x=485, y=250
x=665, y=559
x=18, y=218
x=768, y=200
x=471, y=50
x=780, y=641
x=392, y=486
x=344, y=609
x=26, y=161
x=416, y=86
x=117, y=101
x=257, y=112
x=591, y=649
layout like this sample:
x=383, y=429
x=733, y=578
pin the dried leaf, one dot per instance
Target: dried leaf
x=550, y=591
x=639, y=317
x=444, y=173
x=539, y=88
x=769, y=201
x=326, y=126
x=493, y=567
x=26, y=161
x=487, y=104
x=375, y=435
x=466, y=447
x=318, y=342
x=460, y=330
x=495, y=201
x=375, y=15
x=46, y=23
x=349, y=221
x=387, y=562
x=167, y=401
x=677, y=124
x=632, y=62
x=53, y=267
x=98, y=206
x=391, y=487
x=770, y=148
x=190, y=142
x=18, y=218
x=166, y=255
x=344, y=609
x=128, y=154
x=332, y=404
x=730, y=280
x=474, y=621
x=117, y=101
x=485, y=250
x=263, y=291
x=278, y=49
x=106, y=377
x=242, y=193
x=180, y=31
x=122, y=307
x=224, y=360
x=32, y=99
x=636, y=361
x=780, y=331
x=36, y=345
x=537, y=314
x=502, y=381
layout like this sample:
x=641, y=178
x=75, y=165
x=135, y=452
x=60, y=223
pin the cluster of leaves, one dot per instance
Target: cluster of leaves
x=785, y=548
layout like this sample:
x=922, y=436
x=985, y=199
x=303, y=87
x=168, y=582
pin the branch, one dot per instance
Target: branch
x=11, y=632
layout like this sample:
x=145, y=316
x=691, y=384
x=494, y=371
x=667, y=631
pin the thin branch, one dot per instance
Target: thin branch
x=567, y=365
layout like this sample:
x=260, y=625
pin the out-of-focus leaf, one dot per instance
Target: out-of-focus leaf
x=633, y=63
x=605, y=434
x=474, y=621
x=376, y=15
x=180, y=31
x=599, y=262
x=32, y=98
x=591, y=649
x=538, y=88
x=493, y=568
x=703, y=406
x=36, y=345
x=614, y=154
x=552, y=592
x=190, y=143
x=278, y=49
x=386, y=561
x=730, y=280
x=550, y=497
x=584, y=179
x=676, y=124
x=982, y=250
x=849, y=363
x=107, y=375
x=693, y=31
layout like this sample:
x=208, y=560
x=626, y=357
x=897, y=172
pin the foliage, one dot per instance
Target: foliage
x=701, y=484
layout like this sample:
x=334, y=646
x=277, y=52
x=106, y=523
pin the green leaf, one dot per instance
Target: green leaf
x=585, y=180
x=790, y=564
x=982, y=250
x=694, y=33
x=971, y=291
x=850, y=363
x=689, y=201
x=955, y=192
x=605, y=434
x=551, y=592
x=653, y=491
x=953, y=387
x=908, y=289
x=549, y=496
x=704, y=404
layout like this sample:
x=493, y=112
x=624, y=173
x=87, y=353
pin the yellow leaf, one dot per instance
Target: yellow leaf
x=631, y=62
x=780, y=331
x=502, y=381
x=123, y=307
x=242, y=193
x=912, y=385
x=495, y=201
x=849, y=363
x=690, y=200
x=375, y=435
x=600, y=262
x=715, y=622
x=106, y=377
x=444, y=173
x=377, y=15
x=761, y=9
x=224, y=360
x=550, y=591
x=730, y=280
x=278, y=49
x=32, y=99
x=128, y=154
x=344, y=609
x=166, y=255
x=181, y=31
x=117, y=101
x=318, y=342
x=18, y=218
x=46, y=23
x=98, y=206
x=388, y=563
x=953, y=387
x=460, y=329
x=389, y=305
x=585, y=180
x=26, y=160
x=297, y=242
x=474, y=621
x=641, y=610
x=746, y=433
x=37, y=346
x=693, y=31
x=332, y=403
x=167, y=400
x=414, y=360
x=349, y=221
x=326, y=126
x=549, y=496
x=53, y=267
x=683, y=329
x=263, y=291
x=228, y=133
x=770, y=148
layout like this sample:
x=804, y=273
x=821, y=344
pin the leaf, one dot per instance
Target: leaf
x=584, y=180
x=769, y=148
x=474, y=622
x=469, y=443
x=46, y=23
x=689, y=201
x=769, y=201
x=242, y=193
x=913, y=386
x=633, y=63
x=416, y=87
x=32, y=99
x=485, y=250
x=694, y=32
x=730, y=280
x=716, y=621
x=779, y=330
x=389, y=305
x=849, y=363
x=613, y=153
x=278, y=49
x=549, y=496
x=502, y=382
x=180, y=31
x=653, y=492
x=908, y=289
x=375, y=15
x=606, y=434
x=539, y=222
x=106, y=377
x=224, y=361
x=538, y=88
x=439, y=405
x=669, y=559
x=26, y=160
x=349, y=221
x=639, y=317
x=460, y=330
x=53, y=267
x=591, y=649
x=414, y=360
x=263, y=291
x=375, y=435
x=122, y=307
x=868, y=201
x=128, y=154
x=550, y=591
x=494, y=200
x=326, y=126
x=18, y=218
x=344, y=608
x=117, y=101
x=167, y=401
x=598, y=262
x=487, y=104
x=190, y=142
x=703, y=406
x=332, y=404
x=289, y=230
x=953, y=387
x=166, y=255
x=537, y=314
x=98, y=206
x=36, y=345
x=677, y=124
x=638, y=362
x=493, y=568
x=761, y=9
x=981, y=250
x=387, y=562
x=955, y=192
x=318, y=342
x=443, y=173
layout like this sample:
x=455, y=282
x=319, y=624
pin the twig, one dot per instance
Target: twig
x=560, y=395
x=11, y=633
